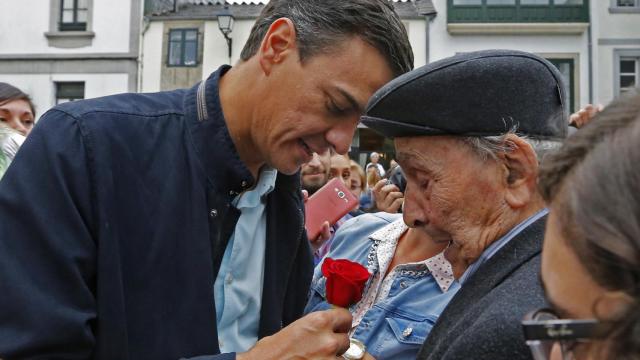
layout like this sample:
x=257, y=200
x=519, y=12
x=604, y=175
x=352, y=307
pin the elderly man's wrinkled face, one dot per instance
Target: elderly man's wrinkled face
x=452, y=194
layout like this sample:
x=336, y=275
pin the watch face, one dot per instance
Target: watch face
x=356, y=350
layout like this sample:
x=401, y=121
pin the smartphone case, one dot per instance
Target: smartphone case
x=330, y=203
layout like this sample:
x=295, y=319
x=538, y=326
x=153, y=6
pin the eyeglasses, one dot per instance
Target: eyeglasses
x=543, y=328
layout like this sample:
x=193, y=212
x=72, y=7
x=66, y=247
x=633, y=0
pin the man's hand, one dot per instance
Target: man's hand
x=320, y=335
x=388, y=197
x=325, y=233
x=584, y=115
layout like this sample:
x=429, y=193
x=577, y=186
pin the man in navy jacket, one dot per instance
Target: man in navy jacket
x=120, y=213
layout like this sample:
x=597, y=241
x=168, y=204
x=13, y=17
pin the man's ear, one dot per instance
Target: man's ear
x=521, y=165
x=278, y=43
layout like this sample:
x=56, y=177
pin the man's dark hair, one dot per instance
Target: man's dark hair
x=10, y=93
x=321, y=24
x=593, y=184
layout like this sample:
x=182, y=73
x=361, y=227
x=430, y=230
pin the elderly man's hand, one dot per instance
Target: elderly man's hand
x=325, y=232
x=319, y=335
x=388, y=197
x=584, y=115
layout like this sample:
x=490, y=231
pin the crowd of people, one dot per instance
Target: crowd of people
x=171, y=225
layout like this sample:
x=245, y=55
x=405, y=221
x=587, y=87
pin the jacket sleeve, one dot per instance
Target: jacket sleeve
x=47, y=251
x=226, y=356
x=300, y=280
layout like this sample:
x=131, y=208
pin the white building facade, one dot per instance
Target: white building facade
x=616, y=48
x=554, y=29
x=183, y=44
x=62, y=50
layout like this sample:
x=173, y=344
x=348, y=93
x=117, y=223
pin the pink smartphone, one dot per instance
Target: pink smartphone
x=330, y=203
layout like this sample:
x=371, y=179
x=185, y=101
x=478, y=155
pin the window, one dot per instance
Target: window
x=568, y=2
x=183, y=47
x=566, y=67
x=627, y=3
x=69, y=91
x=467, y=2
x=629, y=74
x=534, y=2
x=73, y=15
x=518, y=11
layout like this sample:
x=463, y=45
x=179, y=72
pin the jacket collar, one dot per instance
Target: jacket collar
x=208, y=130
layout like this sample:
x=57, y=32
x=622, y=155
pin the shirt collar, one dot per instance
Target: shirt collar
x=500, y=243
x=266, y=184
x=438, y=265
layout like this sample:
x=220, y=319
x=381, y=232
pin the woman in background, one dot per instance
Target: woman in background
x=17, y=117
x=591, y=253
x=358, y=180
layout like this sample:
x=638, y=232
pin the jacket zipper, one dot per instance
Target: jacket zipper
x=201, y=102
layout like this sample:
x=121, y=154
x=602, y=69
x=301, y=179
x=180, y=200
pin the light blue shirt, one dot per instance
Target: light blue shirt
x=500, y=243
x=238, y=286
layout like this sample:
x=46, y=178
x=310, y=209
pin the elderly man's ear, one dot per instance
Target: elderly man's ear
x=520, y=167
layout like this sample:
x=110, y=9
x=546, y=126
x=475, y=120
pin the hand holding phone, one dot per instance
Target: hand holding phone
x=330, y=203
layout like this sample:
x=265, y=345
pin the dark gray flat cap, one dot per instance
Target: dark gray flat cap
x=481, y=93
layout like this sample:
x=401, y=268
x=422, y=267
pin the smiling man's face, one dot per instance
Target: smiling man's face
x=316, y=105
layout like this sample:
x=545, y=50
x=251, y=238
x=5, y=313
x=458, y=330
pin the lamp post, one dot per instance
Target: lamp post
x=225, y=24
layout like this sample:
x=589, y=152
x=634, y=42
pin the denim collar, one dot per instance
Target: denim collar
x=438, y=265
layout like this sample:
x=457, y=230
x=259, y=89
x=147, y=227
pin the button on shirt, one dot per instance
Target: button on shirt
x=238, y=286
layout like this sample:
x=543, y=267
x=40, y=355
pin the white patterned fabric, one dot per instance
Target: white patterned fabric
x=381, y=256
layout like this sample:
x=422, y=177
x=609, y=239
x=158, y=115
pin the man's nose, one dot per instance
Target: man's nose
x=315, y=160
x=412, y=210
x=340, y=136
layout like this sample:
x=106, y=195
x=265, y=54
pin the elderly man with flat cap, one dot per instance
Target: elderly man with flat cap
x=469, y=132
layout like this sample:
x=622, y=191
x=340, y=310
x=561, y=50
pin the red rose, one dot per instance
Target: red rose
x=345, y=281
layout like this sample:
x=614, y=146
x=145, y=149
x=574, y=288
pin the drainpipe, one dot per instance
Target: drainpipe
x=590, y=56
x=427, y=26
x=426, y=29
x=145, y=27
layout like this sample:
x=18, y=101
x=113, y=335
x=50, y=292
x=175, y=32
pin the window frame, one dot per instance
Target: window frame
x=572, y=81
x=614, y=8
x=618, y=56
x=518, y=12
x=183, y=41
x=635, y=74
x=636, y=5
x=484, y=3
x=58, y=84
x=75, y=25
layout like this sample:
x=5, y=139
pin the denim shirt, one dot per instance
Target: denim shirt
x=396, y=325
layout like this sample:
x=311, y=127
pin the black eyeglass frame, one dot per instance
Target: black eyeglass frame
x=541, y=335
x=562, y=329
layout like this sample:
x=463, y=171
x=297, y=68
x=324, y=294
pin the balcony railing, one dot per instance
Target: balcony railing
x=518, y=11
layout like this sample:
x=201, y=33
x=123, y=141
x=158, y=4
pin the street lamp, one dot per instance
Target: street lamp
x=225, y=24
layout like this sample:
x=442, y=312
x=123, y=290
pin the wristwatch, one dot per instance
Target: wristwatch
x=356, y=350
